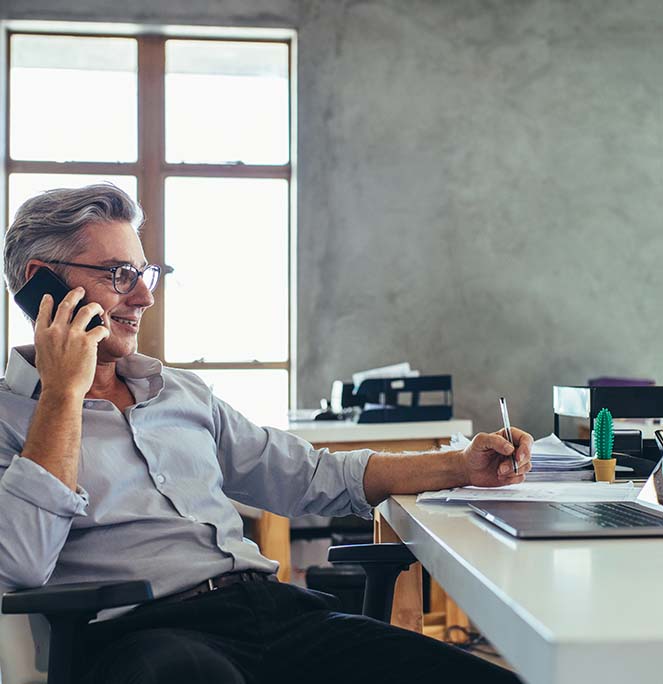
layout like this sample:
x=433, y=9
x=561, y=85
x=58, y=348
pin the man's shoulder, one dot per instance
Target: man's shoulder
x=186, y=380
x=182, y=373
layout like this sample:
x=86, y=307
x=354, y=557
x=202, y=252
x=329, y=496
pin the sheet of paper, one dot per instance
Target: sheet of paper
x=552, y=446
x=567, y=492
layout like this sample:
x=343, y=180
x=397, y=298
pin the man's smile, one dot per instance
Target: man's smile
x=128, y=321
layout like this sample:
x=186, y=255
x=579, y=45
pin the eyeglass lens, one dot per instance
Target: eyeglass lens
x=126, y=277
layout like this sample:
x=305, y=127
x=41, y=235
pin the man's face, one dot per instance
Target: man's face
x=110, y=245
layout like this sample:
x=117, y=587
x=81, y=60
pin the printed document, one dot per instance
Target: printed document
x=564, y=492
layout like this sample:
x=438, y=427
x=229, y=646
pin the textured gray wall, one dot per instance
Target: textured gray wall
x=480, y=186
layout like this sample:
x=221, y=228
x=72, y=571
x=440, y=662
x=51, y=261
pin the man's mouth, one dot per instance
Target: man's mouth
x=125, y=321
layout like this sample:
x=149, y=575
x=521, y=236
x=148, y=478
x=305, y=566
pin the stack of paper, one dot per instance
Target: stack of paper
x=550, y=453
x=553, y=459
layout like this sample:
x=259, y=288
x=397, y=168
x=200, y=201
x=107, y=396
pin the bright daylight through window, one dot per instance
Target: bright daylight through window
x=198, y=131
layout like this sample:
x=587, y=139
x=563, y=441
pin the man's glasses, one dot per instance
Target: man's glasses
x=125, y=276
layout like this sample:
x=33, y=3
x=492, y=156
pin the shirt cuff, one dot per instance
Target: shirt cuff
x=27, y=480
x=354, y=468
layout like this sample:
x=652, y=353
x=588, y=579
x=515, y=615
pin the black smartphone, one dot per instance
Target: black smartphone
x=44, y=281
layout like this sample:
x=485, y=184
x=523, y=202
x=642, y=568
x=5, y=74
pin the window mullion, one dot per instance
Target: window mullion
x=4, y=178
x=229, y=170
x=151, y=157
x=73, y=167
x=229, y=365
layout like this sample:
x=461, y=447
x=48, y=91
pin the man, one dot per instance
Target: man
x=114, y=467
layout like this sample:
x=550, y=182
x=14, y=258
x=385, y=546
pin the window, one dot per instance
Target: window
x=199, y=131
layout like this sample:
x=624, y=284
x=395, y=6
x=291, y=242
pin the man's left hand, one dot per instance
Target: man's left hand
x=487, y=458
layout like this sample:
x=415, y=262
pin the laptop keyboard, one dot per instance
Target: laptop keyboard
x=611, y=514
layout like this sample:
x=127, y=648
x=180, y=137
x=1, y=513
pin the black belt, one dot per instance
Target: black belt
x=212, y=584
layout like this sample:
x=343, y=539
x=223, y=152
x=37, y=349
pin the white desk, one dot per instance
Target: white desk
x=341, y=431
x=560, y=611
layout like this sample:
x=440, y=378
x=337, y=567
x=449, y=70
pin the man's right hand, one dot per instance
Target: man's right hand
x=66, y=355
x=487, y=459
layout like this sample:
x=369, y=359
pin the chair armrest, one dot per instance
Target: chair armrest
x=83, y=597
x=372, y=553
x=382, y=564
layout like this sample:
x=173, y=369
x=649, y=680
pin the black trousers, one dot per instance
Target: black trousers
x=264, y=632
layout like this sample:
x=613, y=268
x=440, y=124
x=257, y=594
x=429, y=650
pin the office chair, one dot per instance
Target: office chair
x=25, y=647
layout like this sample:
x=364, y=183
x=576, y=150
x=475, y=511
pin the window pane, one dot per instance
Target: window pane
x=227, y=101
x=73, y=98
x=260, y=395
x=227, y=240
x=25, y=185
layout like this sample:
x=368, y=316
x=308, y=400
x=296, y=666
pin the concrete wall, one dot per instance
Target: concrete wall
x=480, y=186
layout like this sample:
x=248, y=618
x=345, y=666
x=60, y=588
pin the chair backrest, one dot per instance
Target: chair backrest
x=23, y=649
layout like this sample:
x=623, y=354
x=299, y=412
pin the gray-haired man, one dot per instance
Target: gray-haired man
x=114, y=467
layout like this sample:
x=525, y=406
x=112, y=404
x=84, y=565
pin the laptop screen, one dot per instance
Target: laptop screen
x=652, y=493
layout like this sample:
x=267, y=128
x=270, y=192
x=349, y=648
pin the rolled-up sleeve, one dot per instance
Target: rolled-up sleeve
x=27, y=480
x=279, y=472
x=37, y=513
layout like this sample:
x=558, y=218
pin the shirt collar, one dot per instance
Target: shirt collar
x=22, y=376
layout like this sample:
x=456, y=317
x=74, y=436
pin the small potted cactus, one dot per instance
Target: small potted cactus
x=604, y=437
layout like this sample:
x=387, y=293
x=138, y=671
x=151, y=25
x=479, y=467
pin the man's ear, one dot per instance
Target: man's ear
x=32, y=266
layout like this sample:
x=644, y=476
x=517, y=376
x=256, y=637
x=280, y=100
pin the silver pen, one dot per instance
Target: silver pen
x=507, y=431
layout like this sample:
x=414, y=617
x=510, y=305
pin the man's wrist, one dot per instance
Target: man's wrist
x=61, y=395
x=458, y=471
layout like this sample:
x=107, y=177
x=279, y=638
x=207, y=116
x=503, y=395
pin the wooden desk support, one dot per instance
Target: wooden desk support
x=272, y=535
x=407, y=611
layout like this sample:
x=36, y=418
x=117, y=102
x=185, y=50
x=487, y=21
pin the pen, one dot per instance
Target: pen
x=507, y=431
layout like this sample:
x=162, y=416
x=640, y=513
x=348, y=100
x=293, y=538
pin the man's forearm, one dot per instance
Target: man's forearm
x=388, y=474
x=54, y=437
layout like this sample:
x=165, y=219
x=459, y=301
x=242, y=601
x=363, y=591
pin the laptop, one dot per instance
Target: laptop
x=550, y=520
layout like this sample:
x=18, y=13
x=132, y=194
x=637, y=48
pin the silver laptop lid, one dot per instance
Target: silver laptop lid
x=651, y=495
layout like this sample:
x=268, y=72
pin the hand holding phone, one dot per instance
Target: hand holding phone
x=66, y=351
x=45, y=281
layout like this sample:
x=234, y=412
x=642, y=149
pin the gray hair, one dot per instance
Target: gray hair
x=49, y=226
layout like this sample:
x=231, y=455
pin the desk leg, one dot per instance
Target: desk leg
x=441, y=604
x=407, y=609
x=272, y=534
x=456, y=617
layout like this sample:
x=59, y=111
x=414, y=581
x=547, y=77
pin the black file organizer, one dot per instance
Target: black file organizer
x=402, y=400
x=622, y=402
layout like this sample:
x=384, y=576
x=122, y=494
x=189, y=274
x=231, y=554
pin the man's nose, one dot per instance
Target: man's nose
x=141, y=295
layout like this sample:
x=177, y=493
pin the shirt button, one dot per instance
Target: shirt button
x=192, y=518
x=161, y=479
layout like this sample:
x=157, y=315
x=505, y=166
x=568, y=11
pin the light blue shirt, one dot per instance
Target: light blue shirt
x=155, y=484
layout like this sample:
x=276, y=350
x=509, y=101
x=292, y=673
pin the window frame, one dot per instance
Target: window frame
x=151, y=168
